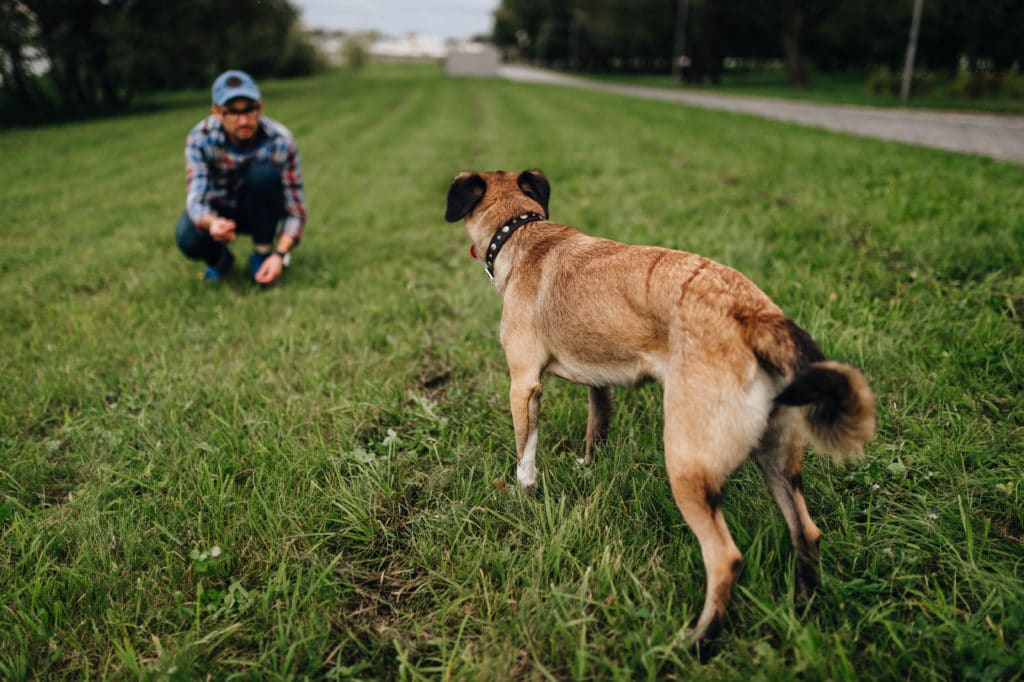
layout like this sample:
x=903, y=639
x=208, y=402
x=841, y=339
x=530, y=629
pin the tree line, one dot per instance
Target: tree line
x=648, y=35
x=74, y=57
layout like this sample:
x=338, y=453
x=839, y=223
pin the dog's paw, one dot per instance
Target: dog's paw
x=700, y=642
x=527, y=476
x=530, y=492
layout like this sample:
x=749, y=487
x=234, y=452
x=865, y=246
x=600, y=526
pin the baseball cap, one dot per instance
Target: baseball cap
x=232, y=84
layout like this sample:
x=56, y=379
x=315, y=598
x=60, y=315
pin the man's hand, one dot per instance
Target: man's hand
x=271, y=269
x=222, y=230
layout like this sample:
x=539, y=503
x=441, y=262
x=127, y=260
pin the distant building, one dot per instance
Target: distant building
x=410, y=47
x=328, y=42
x=472, y=59
x=461, y=58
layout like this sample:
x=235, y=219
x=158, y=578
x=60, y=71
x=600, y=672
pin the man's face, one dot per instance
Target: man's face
x=241, y=118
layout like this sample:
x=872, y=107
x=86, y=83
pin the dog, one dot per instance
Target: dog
x=739, y=377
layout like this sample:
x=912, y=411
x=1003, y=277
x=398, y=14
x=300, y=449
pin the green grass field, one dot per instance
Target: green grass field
x=305, y=482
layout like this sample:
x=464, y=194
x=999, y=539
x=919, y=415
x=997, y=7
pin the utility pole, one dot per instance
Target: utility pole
x=908, y=64
x=679, y=49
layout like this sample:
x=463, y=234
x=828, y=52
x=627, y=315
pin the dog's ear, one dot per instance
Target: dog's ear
x=536, y=186
x=465, y=192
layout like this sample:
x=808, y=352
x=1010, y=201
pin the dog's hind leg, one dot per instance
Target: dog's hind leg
x=780, y=455
x=699, y=499
x=716, y=409
x=599, y=414
x=703, y=445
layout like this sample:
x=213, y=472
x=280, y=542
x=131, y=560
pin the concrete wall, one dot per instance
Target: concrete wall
x=472, y=59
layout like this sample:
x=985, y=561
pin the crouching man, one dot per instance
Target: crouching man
x=244, y=176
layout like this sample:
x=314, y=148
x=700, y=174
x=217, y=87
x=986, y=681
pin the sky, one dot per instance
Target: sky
x=433, y=18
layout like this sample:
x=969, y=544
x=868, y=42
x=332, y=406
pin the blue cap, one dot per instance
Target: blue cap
x=232, y=84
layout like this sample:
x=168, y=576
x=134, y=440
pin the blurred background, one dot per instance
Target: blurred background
x=70, y=58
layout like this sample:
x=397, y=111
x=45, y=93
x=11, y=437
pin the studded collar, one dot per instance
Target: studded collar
x=502, y=235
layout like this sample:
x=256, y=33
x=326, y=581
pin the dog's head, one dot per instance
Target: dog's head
x=489, y=199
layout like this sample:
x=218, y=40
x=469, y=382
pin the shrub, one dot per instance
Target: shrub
x=355, y=52
x=300, y=57
x=882, y=81
x=983, y=83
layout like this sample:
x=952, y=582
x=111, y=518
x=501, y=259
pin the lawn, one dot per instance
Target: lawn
x=315, y=480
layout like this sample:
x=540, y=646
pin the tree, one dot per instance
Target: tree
x=641, y=35
x=16, y=33
x=102, y=53
x=793, y=25
x=679, y=57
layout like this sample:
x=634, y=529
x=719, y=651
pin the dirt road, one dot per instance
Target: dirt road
x=1000, y=137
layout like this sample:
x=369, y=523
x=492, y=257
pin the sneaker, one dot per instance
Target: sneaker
x=255, y=263
x=217, y=273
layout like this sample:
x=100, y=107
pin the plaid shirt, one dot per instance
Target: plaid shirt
x=214, y=169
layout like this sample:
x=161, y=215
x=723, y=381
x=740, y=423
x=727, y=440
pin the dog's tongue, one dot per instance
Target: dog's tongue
x=472, y=251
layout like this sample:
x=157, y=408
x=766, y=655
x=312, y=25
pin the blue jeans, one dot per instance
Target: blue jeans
x=260, y=208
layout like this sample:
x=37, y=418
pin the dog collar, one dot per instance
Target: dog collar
x=502, y=235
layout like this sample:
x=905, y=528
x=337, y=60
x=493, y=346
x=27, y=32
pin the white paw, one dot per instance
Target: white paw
x=527, y=476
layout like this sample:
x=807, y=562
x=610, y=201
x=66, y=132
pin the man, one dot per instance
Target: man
x=244, y=176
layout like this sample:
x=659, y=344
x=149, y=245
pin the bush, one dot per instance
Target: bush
x=299, y=56
x=979, y=84
x=882, y=81
x=356, y=52
x=972, y=84
x=1013, y=84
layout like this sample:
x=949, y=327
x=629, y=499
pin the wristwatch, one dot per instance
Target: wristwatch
x=284, y=256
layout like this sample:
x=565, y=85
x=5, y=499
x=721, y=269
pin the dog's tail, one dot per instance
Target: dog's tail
x=837, y=406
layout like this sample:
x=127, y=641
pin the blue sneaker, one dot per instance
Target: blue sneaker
x=255, y=263
x=219, y=272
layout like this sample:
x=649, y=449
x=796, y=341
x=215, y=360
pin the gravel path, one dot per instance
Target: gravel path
x=1000, y=137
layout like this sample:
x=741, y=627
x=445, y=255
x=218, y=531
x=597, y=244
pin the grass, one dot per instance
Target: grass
x=848, y=88
x=310, y=481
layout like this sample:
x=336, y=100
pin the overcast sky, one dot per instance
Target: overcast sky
x=436, y=18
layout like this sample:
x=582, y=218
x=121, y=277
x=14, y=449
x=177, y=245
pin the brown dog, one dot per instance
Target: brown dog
x=739, y=376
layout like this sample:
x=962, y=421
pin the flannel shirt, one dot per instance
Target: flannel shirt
x=214, y=169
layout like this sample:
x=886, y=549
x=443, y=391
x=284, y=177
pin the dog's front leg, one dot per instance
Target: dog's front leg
x=599, y=414
x=524, y=397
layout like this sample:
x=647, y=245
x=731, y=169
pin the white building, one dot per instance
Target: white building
x=412, y=46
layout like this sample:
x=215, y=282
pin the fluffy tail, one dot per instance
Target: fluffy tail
x=838, y=407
